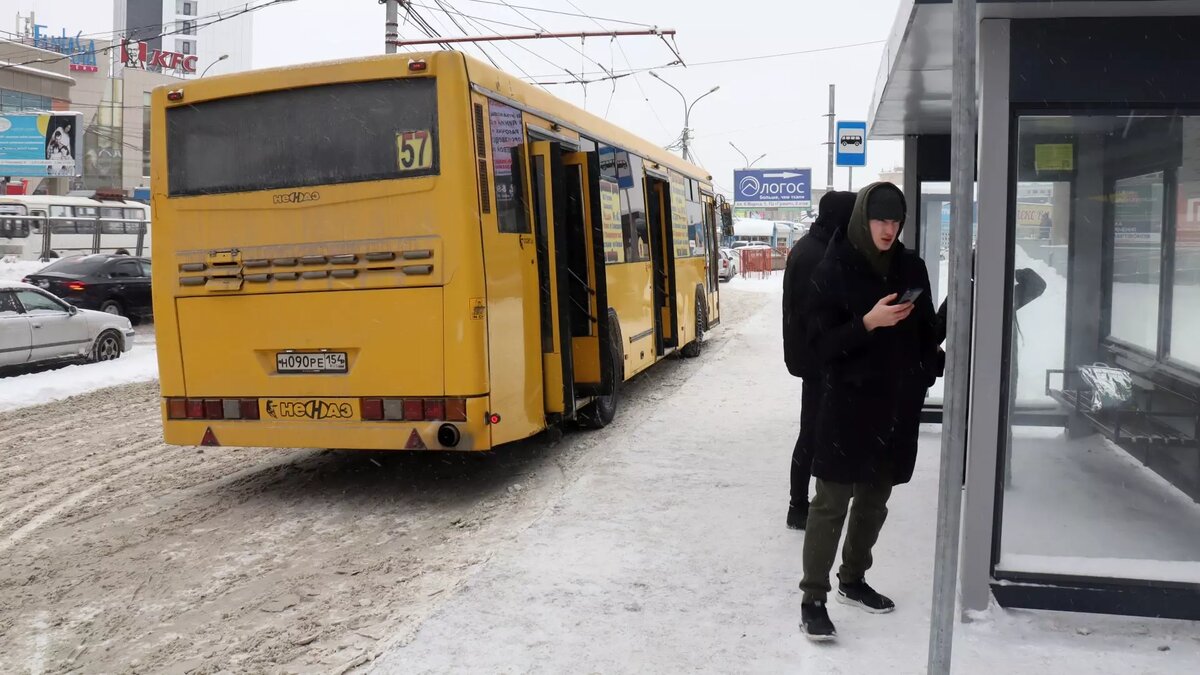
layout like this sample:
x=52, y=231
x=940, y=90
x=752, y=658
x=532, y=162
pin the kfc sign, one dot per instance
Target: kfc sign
x=139, y=55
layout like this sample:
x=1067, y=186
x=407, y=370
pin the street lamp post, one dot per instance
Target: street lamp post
x=218, y=60
x=747, y=164
x=687, y=111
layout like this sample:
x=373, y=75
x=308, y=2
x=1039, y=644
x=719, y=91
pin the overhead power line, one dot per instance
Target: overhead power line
x=734, y=60
x=543, y=10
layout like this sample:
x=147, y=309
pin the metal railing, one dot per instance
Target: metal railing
x=47, y=237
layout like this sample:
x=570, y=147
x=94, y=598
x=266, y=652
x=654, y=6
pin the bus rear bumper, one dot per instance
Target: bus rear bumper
x=471, y=435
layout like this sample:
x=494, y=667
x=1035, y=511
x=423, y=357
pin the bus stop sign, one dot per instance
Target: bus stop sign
x=758, y=188
x=851, y=144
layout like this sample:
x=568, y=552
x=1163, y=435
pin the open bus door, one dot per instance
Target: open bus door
x=584, y=262
x=549, y=202
x=662, y=254
x=569, y=239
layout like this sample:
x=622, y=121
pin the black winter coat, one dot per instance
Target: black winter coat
x=802, y=261
x=875, y=382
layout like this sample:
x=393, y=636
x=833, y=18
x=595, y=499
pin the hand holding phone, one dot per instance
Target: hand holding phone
x=909, y=296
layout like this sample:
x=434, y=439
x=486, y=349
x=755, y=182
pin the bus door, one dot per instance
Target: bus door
x=714, y=262
x=548, y=189
x=584, y=261
x=658, y=225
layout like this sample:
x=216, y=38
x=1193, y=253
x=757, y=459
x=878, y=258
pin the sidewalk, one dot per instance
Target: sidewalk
x=671, y=555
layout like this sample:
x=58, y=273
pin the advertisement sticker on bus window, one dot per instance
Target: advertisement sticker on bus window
x=610, y=218
x=414, y=150
x=679, y=219
x=506, y=133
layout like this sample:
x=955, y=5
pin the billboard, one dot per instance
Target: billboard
x=759, y=188
x=37, y=145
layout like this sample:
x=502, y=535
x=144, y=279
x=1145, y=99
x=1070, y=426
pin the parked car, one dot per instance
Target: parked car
x=729, y=264
x=106, y=282
x=37, y=327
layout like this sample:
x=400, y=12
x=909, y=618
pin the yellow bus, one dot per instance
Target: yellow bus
x=412, y=251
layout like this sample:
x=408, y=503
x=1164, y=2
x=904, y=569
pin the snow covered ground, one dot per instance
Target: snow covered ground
x=1086, y=506
x=670, y=555
x=30, y=389
x=17, y=269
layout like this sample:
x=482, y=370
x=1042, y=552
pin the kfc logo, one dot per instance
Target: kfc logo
x=139, y=55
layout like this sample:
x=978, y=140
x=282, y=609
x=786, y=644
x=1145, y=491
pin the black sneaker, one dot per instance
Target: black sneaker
x=797, y=516
x=859, y=594
x=815, y=623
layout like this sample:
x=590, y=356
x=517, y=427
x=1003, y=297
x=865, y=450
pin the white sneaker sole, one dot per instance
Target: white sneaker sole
x=855, y=603
x=818, y=638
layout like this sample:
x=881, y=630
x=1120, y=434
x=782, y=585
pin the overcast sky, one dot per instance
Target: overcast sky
x=771, y=106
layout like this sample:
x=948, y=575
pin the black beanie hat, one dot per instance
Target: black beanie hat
x=885, y=204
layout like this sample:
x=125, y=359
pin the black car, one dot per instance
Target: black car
x=117, y=284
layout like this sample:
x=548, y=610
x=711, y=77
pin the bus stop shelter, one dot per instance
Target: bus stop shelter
x=1083, y=466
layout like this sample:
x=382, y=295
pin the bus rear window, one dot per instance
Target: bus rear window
x=321, y=135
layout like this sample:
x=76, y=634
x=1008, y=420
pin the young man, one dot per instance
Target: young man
x=872, y=330
x=833, y=214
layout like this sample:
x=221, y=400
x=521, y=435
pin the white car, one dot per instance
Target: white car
x=729, y=264
x=37, y=327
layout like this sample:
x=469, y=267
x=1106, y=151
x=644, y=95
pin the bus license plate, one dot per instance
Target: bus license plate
x=310, y=362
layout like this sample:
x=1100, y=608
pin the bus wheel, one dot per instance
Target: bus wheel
x=692, y=349
x=601, y=412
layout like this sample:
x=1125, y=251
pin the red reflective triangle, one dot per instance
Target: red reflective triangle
x=415, y=442
x=210, y=439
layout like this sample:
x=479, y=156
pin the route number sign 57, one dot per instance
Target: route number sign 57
x=414, y=150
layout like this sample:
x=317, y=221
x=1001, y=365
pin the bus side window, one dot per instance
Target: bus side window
x=87, y=222
x=36, y=225
x=61, y=224
x=114, y=224
x=508, y=167
x=633, y=207
x=135, y=221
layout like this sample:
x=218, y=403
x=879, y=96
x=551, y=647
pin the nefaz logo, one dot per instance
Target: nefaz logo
x=309, y=410
x=296, y=197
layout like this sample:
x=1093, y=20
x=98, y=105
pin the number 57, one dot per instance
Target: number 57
x=414, y=151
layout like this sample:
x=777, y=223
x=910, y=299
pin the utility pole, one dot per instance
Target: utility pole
x=832, y=141
x=687, y=112
x=391, y=26
x=964, y=123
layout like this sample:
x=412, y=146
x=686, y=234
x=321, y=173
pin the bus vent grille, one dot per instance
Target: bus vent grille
x=480, y=147
x=485, y=195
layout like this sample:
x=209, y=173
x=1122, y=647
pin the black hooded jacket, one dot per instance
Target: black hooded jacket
x=832, y=215
x=875, y=382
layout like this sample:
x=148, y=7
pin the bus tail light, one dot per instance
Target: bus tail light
x=212, y=408
x=435, y=409
x=249, y=408
x=372, y=409
x=456, y=410
x=195, y=409
x=414, y=409
x=417, y=66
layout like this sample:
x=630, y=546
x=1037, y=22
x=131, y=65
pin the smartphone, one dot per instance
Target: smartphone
x=909, y=296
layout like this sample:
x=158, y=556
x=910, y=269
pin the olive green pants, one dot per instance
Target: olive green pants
x=826, y=517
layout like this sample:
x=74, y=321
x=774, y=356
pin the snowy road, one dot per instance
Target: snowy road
x=656, y=545
x=121, y=554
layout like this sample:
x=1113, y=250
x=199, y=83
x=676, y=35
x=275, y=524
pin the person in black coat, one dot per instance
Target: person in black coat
x=832, y=216
x=878, y=357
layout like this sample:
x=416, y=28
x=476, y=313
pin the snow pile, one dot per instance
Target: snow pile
x=22, y=391
x=756, y=283
x=18, y=269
